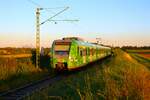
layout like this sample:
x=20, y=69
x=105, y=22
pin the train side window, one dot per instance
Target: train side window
x=87, y=51
x=78, y=50
x=91, y=52
x=81, y=53
x=96, y=51
x=84, y=52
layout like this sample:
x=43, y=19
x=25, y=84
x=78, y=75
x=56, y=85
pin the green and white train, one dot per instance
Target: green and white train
x=72, y=53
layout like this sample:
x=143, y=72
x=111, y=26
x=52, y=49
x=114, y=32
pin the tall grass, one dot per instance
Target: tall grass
x=127, y=79
x=129, y=84
x=142, y=60
x=10, y=66
x=122, y=78
x=85, y=93
x=17, y=72
x=116, y=78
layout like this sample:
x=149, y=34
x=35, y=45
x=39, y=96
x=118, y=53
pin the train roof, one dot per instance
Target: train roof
x=87, y=44
x=79, y=41
x=72, y=38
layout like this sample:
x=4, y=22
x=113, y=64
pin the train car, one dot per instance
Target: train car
x=72, y=53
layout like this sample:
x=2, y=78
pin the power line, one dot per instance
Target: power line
x=38, y=30
x=55, y=15
x=39, y=6
x=34, y=3
x=45, y=9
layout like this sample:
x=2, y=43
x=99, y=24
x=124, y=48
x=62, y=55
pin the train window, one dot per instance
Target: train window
x=81, y=53
x=61, y=53
x=84, y=52
x=78, y=50
x=62, y=47
x=87, y=51
x=91, y=52
x=96, y=51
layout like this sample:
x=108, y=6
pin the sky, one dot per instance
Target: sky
x=116, y=22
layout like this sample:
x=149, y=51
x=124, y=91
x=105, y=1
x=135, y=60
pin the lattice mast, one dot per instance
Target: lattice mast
x=37, y=37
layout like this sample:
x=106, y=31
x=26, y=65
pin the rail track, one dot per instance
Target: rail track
x=29, y=89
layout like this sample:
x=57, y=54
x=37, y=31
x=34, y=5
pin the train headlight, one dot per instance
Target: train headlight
x=70, y=58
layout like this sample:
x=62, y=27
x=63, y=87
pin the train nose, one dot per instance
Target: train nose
x=61, y=66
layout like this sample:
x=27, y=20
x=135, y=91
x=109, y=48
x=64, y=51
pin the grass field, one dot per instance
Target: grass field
x=138, y=51
x=147, y=56
x=17, y=72
x=142, y=56
x=19, y=69
x=120, y=77
x=16, y=56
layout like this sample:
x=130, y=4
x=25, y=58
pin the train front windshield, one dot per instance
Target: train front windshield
x=62, y=49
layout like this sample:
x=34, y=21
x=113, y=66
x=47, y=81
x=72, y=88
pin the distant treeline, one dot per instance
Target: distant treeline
x=135, y=47
x=10, y=50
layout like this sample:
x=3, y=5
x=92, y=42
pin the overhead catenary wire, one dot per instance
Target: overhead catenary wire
x=34, y=3
x=39, y=6
x=38, y=9
x=55, y=15
x=48, y=10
